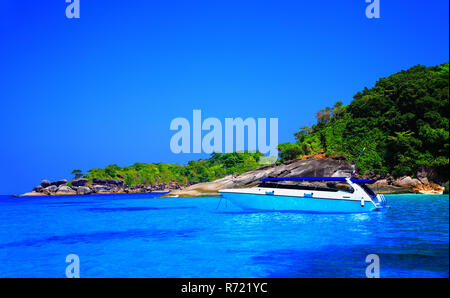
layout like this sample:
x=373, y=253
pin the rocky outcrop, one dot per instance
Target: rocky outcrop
x=79, y=182
x=405, y=185
x=45, y=183
x=101, y=189
x=83, y=190
x=50, y=190
x=386, y=186
x=65, y=190
x=82, y=186
x=108, y=182
x=59, y=182
x=406, y=182
x=38, y=188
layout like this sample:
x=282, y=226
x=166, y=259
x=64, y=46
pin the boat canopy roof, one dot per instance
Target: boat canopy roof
x=343, y=179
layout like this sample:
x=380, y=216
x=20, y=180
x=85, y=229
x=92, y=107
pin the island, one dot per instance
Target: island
x=401, y=125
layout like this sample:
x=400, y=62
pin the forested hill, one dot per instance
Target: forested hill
x=203, y=170
x=402, y=122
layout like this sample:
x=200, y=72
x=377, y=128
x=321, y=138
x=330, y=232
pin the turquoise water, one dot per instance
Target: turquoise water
x=139, y=236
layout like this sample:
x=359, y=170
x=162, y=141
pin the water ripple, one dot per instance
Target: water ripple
x=126, y=209
x=96, y=237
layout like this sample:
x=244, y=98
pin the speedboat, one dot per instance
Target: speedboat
x=308, y=194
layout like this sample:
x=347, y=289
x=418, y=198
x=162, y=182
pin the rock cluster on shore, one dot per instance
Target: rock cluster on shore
x=83, y=186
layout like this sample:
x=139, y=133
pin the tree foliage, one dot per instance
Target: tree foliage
x=403, y=121
x=217, y=166
x=77, y=173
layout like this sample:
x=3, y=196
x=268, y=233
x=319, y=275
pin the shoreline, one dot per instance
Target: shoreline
x=194, y=193
x=422, y=183
x=36, y=194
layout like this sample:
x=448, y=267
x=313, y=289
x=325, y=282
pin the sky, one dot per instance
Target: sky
x=103, y=89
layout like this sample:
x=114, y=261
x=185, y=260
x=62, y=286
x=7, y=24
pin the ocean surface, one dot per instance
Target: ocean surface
x=139, y=235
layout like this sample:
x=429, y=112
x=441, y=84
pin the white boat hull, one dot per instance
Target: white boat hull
x=271, y=202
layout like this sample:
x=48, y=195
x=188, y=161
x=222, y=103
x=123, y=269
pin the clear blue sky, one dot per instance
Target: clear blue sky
x=103, y=89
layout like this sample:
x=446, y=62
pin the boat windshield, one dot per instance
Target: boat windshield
x=303, y=185
x=368, y=190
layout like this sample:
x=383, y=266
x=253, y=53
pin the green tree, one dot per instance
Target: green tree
x=288, y=151
x=324, y=115
x=77, y=174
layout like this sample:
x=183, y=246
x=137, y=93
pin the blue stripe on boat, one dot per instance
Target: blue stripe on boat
x=343, y=179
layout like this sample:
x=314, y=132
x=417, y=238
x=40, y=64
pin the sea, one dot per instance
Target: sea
x=143, y=235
